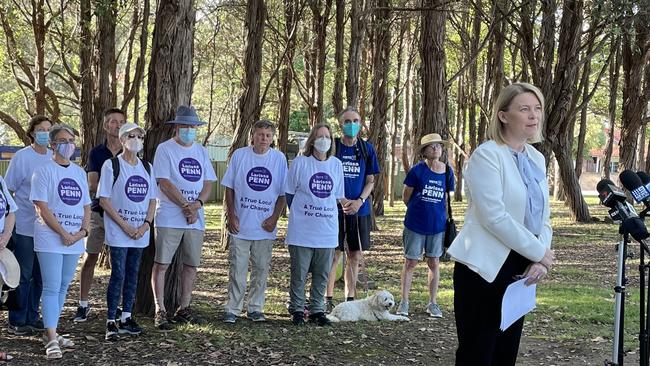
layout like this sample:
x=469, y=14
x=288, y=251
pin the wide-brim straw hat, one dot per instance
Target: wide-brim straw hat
x=432, y=138
x=186, y=116
x=9, y=269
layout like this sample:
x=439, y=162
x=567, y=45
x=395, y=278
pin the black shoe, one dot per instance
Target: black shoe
x=320, y=319
x=129, y=326
x=329, y=306
x=20, y=330
x=298, y=318
x=112, y=331
x=37, y=326
x=186, y=315
x=161, y=322
x=82, y=314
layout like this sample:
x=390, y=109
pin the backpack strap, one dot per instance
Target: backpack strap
x=449, y=214
x=116, y=168
x=7, y=207
x=147, y=166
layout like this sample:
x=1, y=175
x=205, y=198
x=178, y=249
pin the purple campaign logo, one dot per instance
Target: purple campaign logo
x=321, y=184
x=259, y=178
x=190, y=169
x=136, y=188
x=69, y=191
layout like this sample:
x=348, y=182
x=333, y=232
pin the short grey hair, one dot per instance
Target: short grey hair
x=348, y=109
x=263, y=123
x=60, y=127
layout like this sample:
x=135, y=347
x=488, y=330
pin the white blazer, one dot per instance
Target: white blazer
x=494, y=220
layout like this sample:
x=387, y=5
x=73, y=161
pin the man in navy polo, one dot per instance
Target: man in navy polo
x=359, y=168
x=114, y=118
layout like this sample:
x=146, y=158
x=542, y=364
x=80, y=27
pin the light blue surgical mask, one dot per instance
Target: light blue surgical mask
x=42, y=138
x=66, y=150
x=351, y=129
x=187, y=135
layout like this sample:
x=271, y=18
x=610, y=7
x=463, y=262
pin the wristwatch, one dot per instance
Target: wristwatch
x=363, y=200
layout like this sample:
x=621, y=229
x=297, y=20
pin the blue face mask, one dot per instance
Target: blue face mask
x=42, y=138
x=187, y=135
x=351, y=129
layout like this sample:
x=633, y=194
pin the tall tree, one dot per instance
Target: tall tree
x=106, y=11
x=337, y=94
x=433, y=57
x=378, y=120
x=169, y=85
x=86, y=73
x=357, y=33
x=249, y=102
x=635, y=53
x=614, y=69
x=292, y=11
x=397, y=90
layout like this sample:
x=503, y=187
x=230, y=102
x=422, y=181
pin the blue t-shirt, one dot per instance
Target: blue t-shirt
x=426, y=211
x=355, y=170
x=96, y=158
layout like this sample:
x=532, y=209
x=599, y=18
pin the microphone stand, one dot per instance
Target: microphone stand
x=618, y=352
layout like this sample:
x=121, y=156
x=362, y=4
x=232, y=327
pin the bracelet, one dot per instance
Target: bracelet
x=200, y=201
x=148, y=223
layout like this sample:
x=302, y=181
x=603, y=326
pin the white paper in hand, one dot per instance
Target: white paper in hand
x=518, y=301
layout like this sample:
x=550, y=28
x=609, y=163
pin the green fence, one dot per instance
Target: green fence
x=220, y=169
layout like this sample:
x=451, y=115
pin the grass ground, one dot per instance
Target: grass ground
x=572, y=324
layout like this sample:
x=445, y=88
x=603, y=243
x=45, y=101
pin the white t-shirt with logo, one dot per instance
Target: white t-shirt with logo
x=313, y=216
x=130, y=197
x=258, y=180
x=65, y=189
x=186, y=168
x=19, y=180
x=5, y=198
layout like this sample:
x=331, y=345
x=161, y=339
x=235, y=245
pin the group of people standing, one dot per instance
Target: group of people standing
x=327, y=189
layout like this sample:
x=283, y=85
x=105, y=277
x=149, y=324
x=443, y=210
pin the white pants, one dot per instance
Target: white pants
x=259, y=254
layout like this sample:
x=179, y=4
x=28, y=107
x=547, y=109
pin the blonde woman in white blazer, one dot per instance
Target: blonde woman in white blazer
x=507, y=231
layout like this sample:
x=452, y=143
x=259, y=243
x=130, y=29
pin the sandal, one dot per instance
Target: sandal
x=63, y=342
x=5, y=357
x=53, y=351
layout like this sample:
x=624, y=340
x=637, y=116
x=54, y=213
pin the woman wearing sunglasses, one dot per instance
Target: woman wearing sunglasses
x=127, y=193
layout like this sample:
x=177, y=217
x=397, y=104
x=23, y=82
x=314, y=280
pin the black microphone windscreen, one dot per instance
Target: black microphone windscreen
x=602, y=185
x=645, y=178
x=633, y=183
x=636, y=228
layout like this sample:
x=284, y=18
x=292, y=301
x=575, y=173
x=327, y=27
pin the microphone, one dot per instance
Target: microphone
x=614, y=198
x=645, y=179
x=633, y=183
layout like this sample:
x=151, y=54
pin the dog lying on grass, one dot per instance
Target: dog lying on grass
x=372, y=308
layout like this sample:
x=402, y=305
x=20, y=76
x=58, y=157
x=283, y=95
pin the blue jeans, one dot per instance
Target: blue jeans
x=125, y=264
x=57, y=270
x=30, y=287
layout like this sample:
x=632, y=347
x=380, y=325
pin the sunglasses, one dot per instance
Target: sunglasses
x=351, y=121
x=140, y=137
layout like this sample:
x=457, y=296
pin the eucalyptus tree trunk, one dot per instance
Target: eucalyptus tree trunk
x=169, y=85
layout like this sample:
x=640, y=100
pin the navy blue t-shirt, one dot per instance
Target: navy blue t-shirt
x=96, y=158
x=355, y=170
x=426, y=211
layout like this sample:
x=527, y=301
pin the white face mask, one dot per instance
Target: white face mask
x=323, y=144
x=134, y=145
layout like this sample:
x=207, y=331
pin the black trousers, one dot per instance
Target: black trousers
x=477, y=305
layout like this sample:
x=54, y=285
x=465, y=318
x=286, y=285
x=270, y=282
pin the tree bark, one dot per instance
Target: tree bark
x=432, y=54
x=635, y=52
x=357, y=30
x=395, y=115
x=106, y=11
x=614, y=69
x=473, y=77
x=169, y=85
x=337, y=94
x=378, y=120
x=249, y=102
x=291, y=16
x=407, y=116
x=88, y=125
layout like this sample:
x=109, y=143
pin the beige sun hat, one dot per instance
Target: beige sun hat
x=432, y=138
x=9, y=269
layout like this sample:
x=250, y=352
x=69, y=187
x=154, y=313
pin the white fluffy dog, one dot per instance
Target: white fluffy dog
x=372, y=308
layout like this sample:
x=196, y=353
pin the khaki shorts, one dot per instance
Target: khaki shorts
x=169, y=239
x=95, y=240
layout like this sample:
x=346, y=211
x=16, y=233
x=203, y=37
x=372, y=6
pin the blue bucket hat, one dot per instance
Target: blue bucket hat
x=186, y=116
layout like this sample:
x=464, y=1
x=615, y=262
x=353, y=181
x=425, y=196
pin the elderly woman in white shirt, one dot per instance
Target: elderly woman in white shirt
x=506, y=233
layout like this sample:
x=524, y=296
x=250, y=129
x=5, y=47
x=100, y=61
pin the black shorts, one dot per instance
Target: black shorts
x=356, y=230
